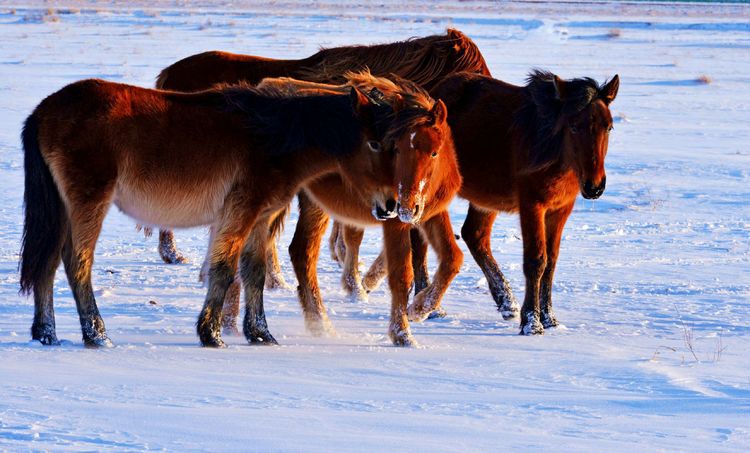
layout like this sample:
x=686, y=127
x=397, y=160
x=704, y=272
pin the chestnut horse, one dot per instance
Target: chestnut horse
x=229, y=156
x=530, y=150
x=425, y=179
x=422, y=60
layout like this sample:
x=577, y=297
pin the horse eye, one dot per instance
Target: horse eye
x=573, y=130
x=610, y=128
x=434, y=154
x=374, y=146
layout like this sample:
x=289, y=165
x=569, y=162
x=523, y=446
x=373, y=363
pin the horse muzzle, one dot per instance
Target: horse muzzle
x=384, y=213
x=591, y=191
x=410, y=215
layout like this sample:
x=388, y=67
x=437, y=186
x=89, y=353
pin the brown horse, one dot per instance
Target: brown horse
x=230, y=157
x=531, y=150
x=426, y=178
x=422, y=60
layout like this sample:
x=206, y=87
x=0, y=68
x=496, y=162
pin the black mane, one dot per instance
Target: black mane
x=284, y=125
x=539, y=115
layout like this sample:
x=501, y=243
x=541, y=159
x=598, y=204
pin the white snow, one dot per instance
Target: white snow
x=660, y=263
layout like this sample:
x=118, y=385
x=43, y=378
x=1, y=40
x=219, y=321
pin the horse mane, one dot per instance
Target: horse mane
x=423, y=60
x=283, y=125
x=538, y=116
x=402, y=104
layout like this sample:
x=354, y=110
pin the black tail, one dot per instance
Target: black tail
x=44, y=223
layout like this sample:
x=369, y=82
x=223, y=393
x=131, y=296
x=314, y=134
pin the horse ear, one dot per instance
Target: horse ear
x=561, y=88
x=360, y=101
x=440, y=112
x=609, y=91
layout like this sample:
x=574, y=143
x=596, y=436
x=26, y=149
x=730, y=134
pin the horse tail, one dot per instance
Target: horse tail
x=277, y=223
x=45, y=219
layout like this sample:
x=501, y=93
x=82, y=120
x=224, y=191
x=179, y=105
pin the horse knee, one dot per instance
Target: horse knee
x=534, y=267
x=221, y=274
x=473, y=237
x=457, y=260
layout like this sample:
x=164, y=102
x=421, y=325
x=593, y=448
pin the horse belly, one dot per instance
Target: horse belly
x=349, y=210
x=168, y=206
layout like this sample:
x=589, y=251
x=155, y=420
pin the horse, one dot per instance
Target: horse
x=423, y=60
x=547, y=143
x=227, y=156
x=426, y=178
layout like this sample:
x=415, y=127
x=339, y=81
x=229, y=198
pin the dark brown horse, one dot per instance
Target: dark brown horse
x=422, y=60
x=425, y=179
x=530, y=150
x=231, y=157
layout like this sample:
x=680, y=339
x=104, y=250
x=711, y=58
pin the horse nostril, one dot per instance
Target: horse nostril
x=416, y=210
x=390, y=205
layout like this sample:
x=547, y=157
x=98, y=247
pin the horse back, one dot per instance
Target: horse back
x=481, y=115
x=204, y=70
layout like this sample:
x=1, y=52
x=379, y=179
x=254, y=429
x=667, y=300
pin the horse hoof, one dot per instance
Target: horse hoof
x=319, y=327
x=417, y=314
x=213, y=343
x=438, y=314
x=175, y=258
x=231, y=330
x=358, y=297
x=48, y=340
x=535, y=328
x=45, y=335
x=401, y=336
x=549, y=321
x=403, y=340
x=508, y=307
x=262, y=338
x=210, y=338
x=276, y=282
x=98, y=342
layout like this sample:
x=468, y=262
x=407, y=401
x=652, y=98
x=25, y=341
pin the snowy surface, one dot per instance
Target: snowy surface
x=665, y=251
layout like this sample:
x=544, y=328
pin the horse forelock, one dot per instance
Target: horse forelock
x=539, y=117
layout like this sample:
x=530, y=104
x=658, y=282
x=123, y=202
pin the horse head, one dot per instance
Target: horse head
x=585, y=125
x=422, y=148
x=410, y=144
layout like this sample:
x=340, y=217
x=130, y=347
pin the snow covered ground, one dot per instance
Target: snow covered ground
x=663, y=254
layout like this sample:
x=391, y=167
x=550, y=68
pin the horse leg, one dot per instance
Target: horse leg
x=253, y=271
x=304, y=251
x=230, y=311
x=167, y=249
x=376, y=273
x=231, y=308
x=336, y=244
x=419, y=261
x=534, y=263
x=274, y=276
x=476, y=231
x=236, y=222
x=78, y=257
x=554, y=224
x=43, y=328
x=350, y=278
x=440, y=235
x=400, y=277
